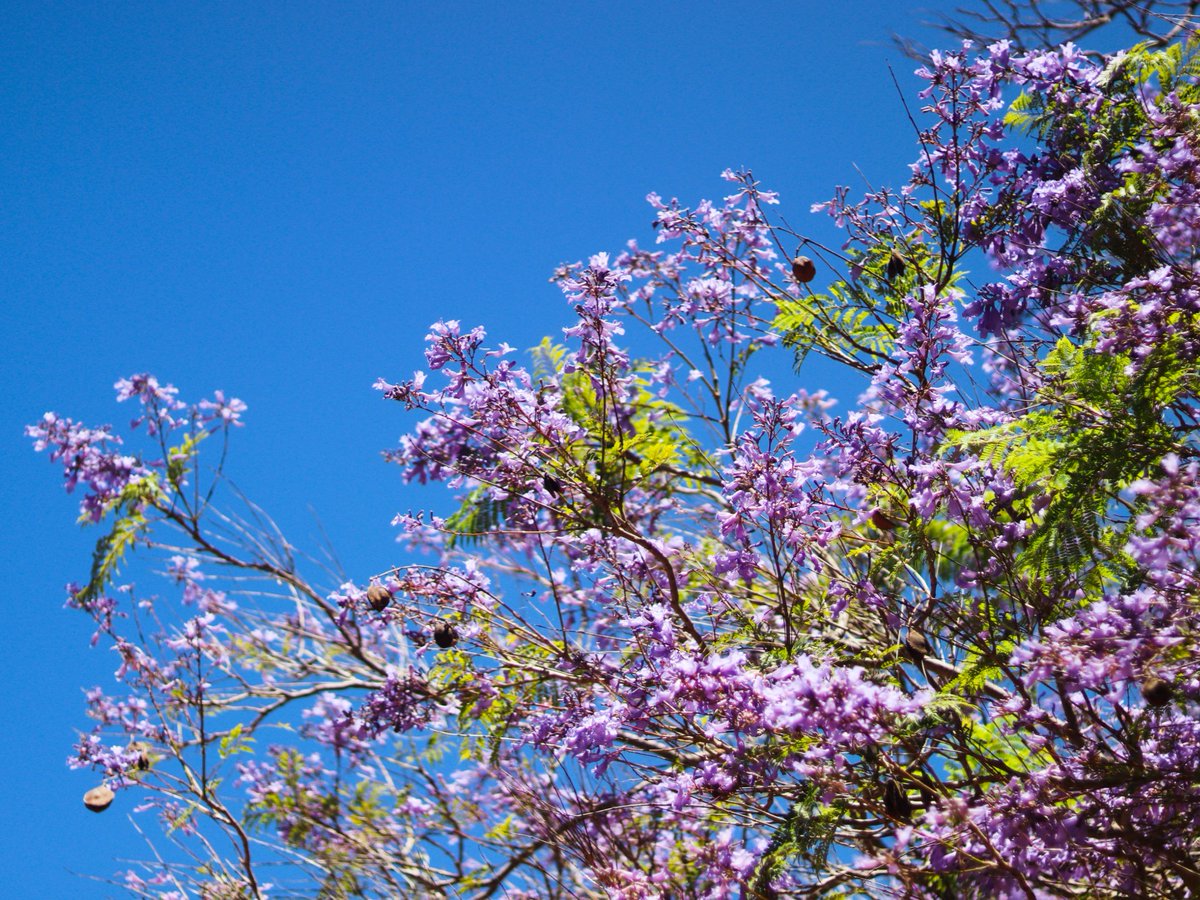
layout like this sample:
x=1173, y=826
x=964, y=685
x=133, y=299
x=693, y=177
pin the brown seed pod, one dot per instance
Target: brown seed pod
x=378, y=597
x=895, y=266
x=916, y=646
x=98, y=799
x=142, y=749
x=552, y=484
x=881, y=521
x=1157, y=691
x=444, y=634
x=896, y=803
x=926, y=787
x=803, y=269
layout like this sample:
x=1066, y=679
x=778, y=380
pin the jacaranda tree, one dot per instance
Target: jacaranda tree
x=691, y=634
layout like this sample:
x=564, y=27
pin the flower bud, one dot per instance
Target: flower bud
x=378, y=597
x=98, y=799
x=803, y=269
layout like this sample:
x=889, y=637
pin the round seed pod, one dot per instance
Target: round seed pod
x=98, y=799
x=142, y=749
x=880, y=520
x=916, y=646
x=804, y=269
x=552, y=484
x=444, y=634
x=895, y=266
x=378, y=597
x=1157, y=691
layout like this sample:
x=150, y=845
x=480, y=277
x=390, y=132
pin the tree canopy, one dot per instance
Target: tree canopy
x=692, y=634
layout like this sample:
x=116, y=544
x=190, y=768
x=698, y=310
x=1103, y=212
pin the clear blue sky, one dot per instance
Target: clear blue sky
x=277, y=199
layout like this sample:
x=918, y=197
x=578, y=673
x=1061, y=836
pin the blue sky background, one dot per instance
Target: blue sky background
x=278, y=199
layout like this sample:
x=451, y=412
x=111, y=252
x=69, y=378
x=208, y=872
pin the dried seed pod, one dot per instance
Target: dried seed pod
x=378, y=597
x=1157, y=691
x=896, y=803
x=98, y=799
x=467, y=460
x=142, y=749
x=444, y=634
x=881, y=521
x=926, y=787
x=895, y=266
x=552, y=484
x=803, y=269
x=916, y=646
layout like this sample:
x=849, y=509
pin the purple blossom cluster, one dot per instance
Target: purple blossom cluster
x=88, y=456
x=692, y=634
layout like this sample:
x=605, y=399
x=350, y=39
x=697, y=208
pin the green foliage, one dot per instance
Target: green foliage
x=235, y=742
x=607, y=463
x=130, y=519
x=1100, y=430
x=806, y=833
x=854, y=322
x=1117, y=230
x=340, y=884
x=1175, y=69
x=179, y=457
x=294, y=804
x=130, y=522
x=979, y=669
x=479, y=514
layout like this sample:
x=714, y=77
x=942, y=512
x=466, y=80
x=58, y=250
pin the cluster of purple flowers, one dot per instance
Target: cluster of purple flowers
x=688, y=637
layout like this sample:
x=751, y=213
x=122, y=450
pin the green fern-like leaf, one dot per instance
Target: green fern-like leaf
x=806, y=833
x=130, y=521
x=479, y=514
